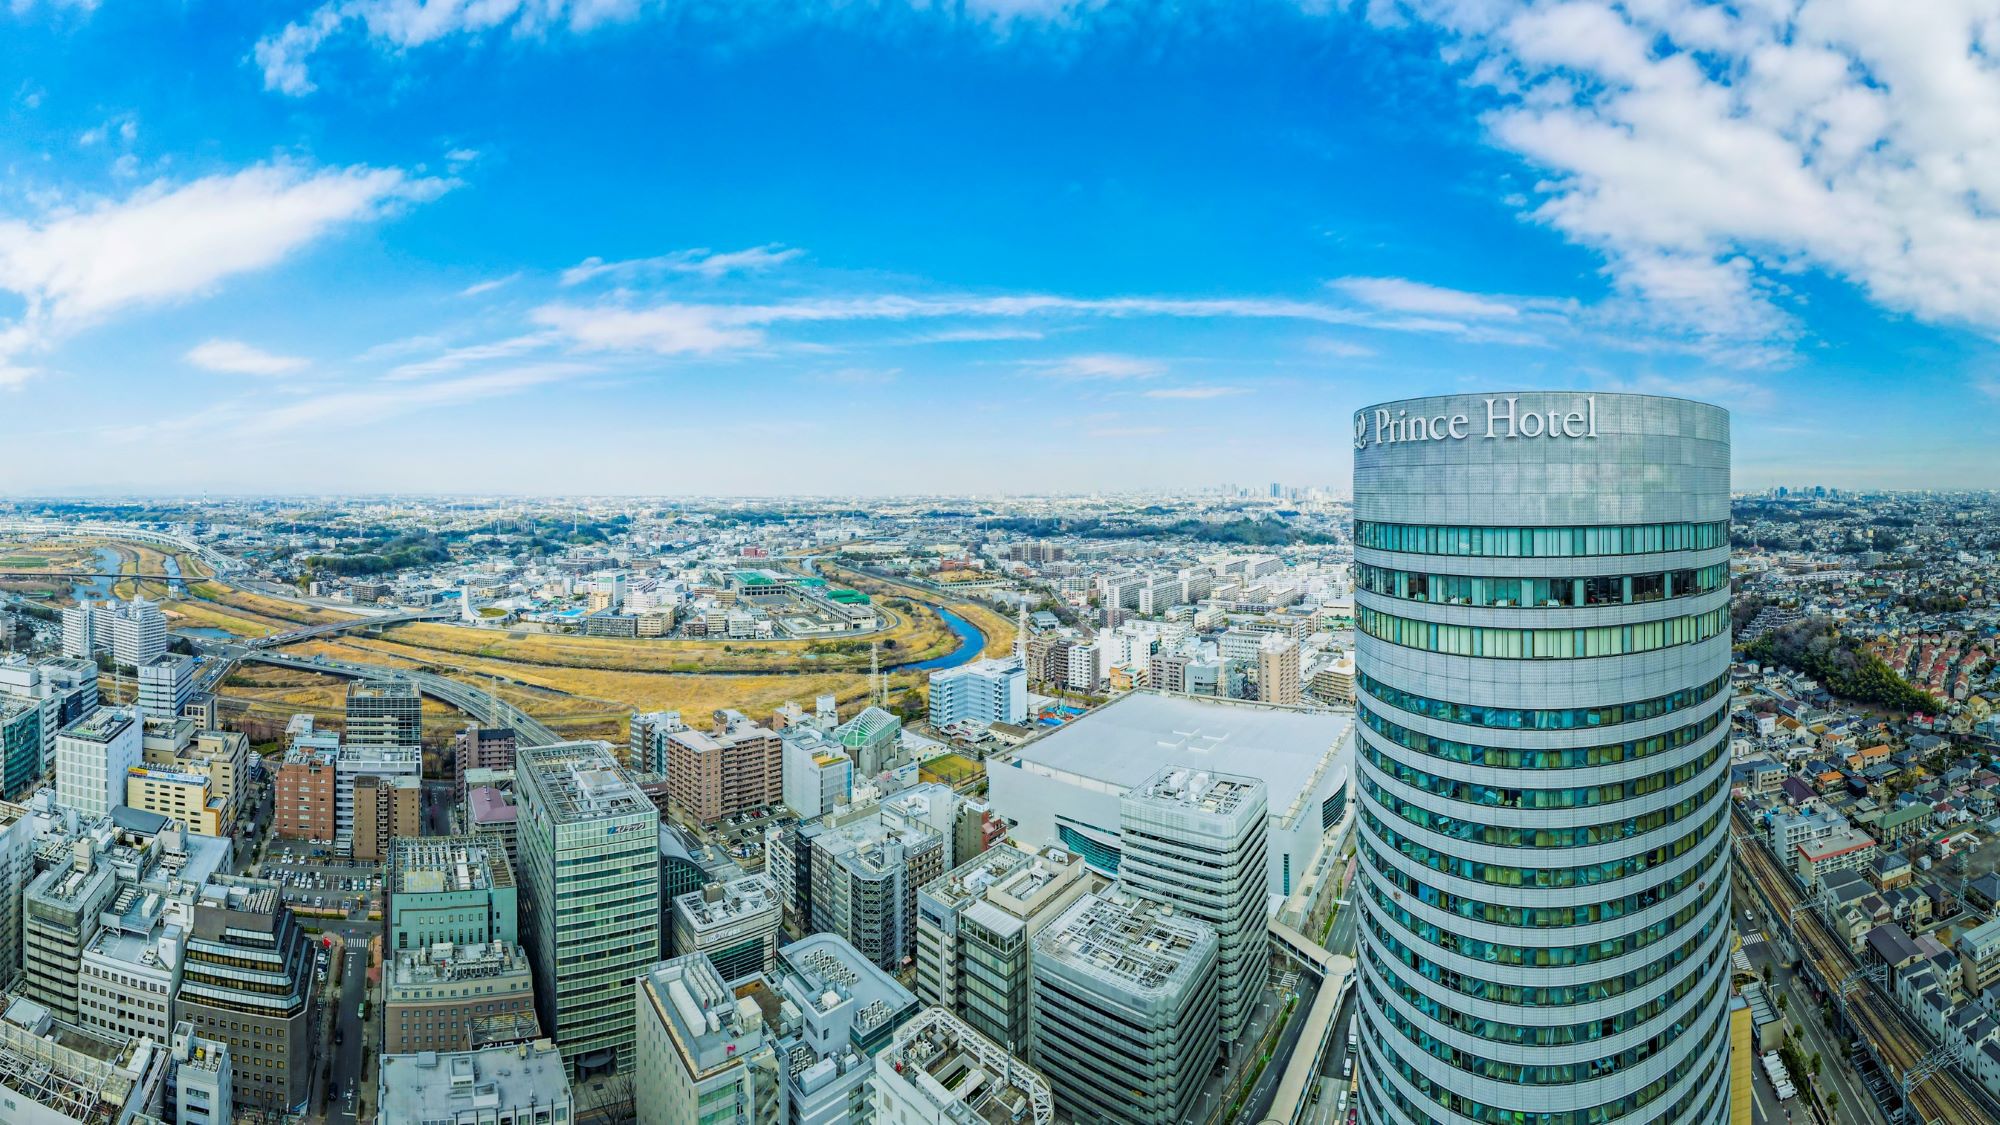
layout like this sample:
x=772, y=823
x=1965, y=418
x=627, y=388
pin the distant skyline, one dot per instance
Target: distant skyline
x=620, y=247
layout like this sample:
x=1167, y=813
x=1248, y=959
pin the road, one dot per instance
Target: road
x=1857, y=1106
x=347, y=1051
x=476, y=702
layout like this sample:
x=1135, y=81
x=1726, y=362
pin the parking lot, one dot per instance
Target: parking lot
x=312, y=877
x=742, y=834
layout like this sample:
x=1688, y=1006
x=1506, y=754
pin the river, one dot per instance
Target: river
x=971, y=642
x=103, y=559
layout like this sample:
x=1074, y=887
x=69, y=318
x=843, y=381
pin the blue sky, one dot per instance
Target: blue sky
x=616, y=246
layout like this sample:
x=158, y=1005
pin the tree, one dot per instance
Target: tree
x=1832, y=1100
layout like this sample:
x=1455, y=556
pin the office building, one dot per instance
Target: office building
x=735, y=767
x=1542, y=656
x=223, y=757
x=734, y=924
x=646, y=739
x=60, y=917
x=590, y=903
x=21, y=834
x=53, y=1072
x=1126, y=1010
x=451, y=890
x=245, y=978
x=984, y=692
x=703, y=1053
x=204, y=710
x=385, y=809
x=384, y=715
x=976, y=929
x=937, y=1068
x=1196, y=840
x=865, y=877
x=92, y=755
x=847, y=1011
x=1064, y=786
x=186, y=797
x=131, y=970
x=165, y=683
x=1278, y=671
x=448, y=997
x=66, y=690
x=818, y=774
x=519, y=1084
x=201, y=1084
x=20, y=743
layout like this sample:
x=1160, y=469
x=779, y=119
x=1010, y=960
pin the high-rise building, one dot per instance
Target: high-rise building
x=1542, y=659
x=165, y=683
x=302, y=795
x=736, y=767
x=60, y=917
x=838, y=1012
x=245, y=979
x=1125, y=1010
x=937, y=1068
x=1196, y=840
x=385, y=809
x=976, y=930
x=455, y=890
x=984, y=691
x=1278, y=671
x=20, y=743
x=864, y=885
x=386, y=714
x=387, y=765
x=590, y=908
x=481, y=748
x=702, y=1051
x=133, y=632
x=92, y=756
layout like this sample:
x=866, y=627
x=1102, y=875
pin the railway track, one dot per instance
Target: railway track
x=1897, y=1042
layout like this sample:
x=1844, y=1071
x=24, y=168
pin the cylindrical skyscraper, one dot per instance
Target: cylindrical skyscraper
x=1542, y=661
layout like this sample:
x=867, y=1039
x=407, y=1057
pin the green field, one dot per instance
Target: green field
x=23, y=562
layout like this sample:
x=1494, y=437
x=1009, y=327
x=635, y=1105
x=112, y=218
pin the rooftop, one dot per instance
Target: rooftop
x=85, y=1076
x=439, y=1086
x=444, y=864
x=722, y=903
x=832, y=972
x=446, y=963
x=583, y=781
x=101, y=725
x=962, y=1075
x=1131, y=738
x=1135, y=945
x=1198, y=791
x=711, y=1027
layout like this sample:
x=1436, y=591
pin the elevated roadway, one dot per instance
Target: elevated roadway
x=334, y=628
x=482, y=705
x=1335, y=971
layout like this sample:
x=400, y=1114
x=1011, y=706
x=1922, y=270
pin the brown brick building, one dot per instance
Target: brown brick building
x=385, y=808
x=302, y=800
x=457, y=998
x=477, y=747
x=737, y=766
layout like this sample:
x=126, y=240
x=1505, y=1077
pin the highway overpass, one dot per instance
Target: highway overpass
x=332, y=628
x=480, y=704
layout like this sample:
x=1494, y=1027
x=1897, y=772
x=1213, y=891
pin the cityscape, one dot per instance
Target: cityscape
x=1015, y=562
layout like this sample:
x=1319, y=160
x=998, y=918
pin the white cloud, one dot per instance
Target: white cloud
x=1396, y=294
x=80, y=263
x=404, y=24
x=856, y=376
x=370, y=404
x=1197, y=392
x=1710, y=151
x=234, y=357
x=478, y=287
x=1344, y=349
x=975, y=335
x=705, y=262
x=1099, y=367
x=456, y=358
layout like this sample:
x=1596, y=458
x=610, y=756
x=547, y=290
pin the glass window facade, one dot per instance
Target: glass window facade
x=1558, y=718
x=1605, y=589
x=1542, y=644
x=1540, y=542
x=1539, y=758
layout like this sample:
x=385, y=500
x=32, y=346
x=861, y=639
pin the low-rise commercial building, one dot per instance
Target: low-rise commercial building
x=201, y=1084
x=186, y=797
x=520, y=1084
x=458, y=998
x=450, y=890
x=53, y=1072
x=734, y=924
x=937, y=1068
